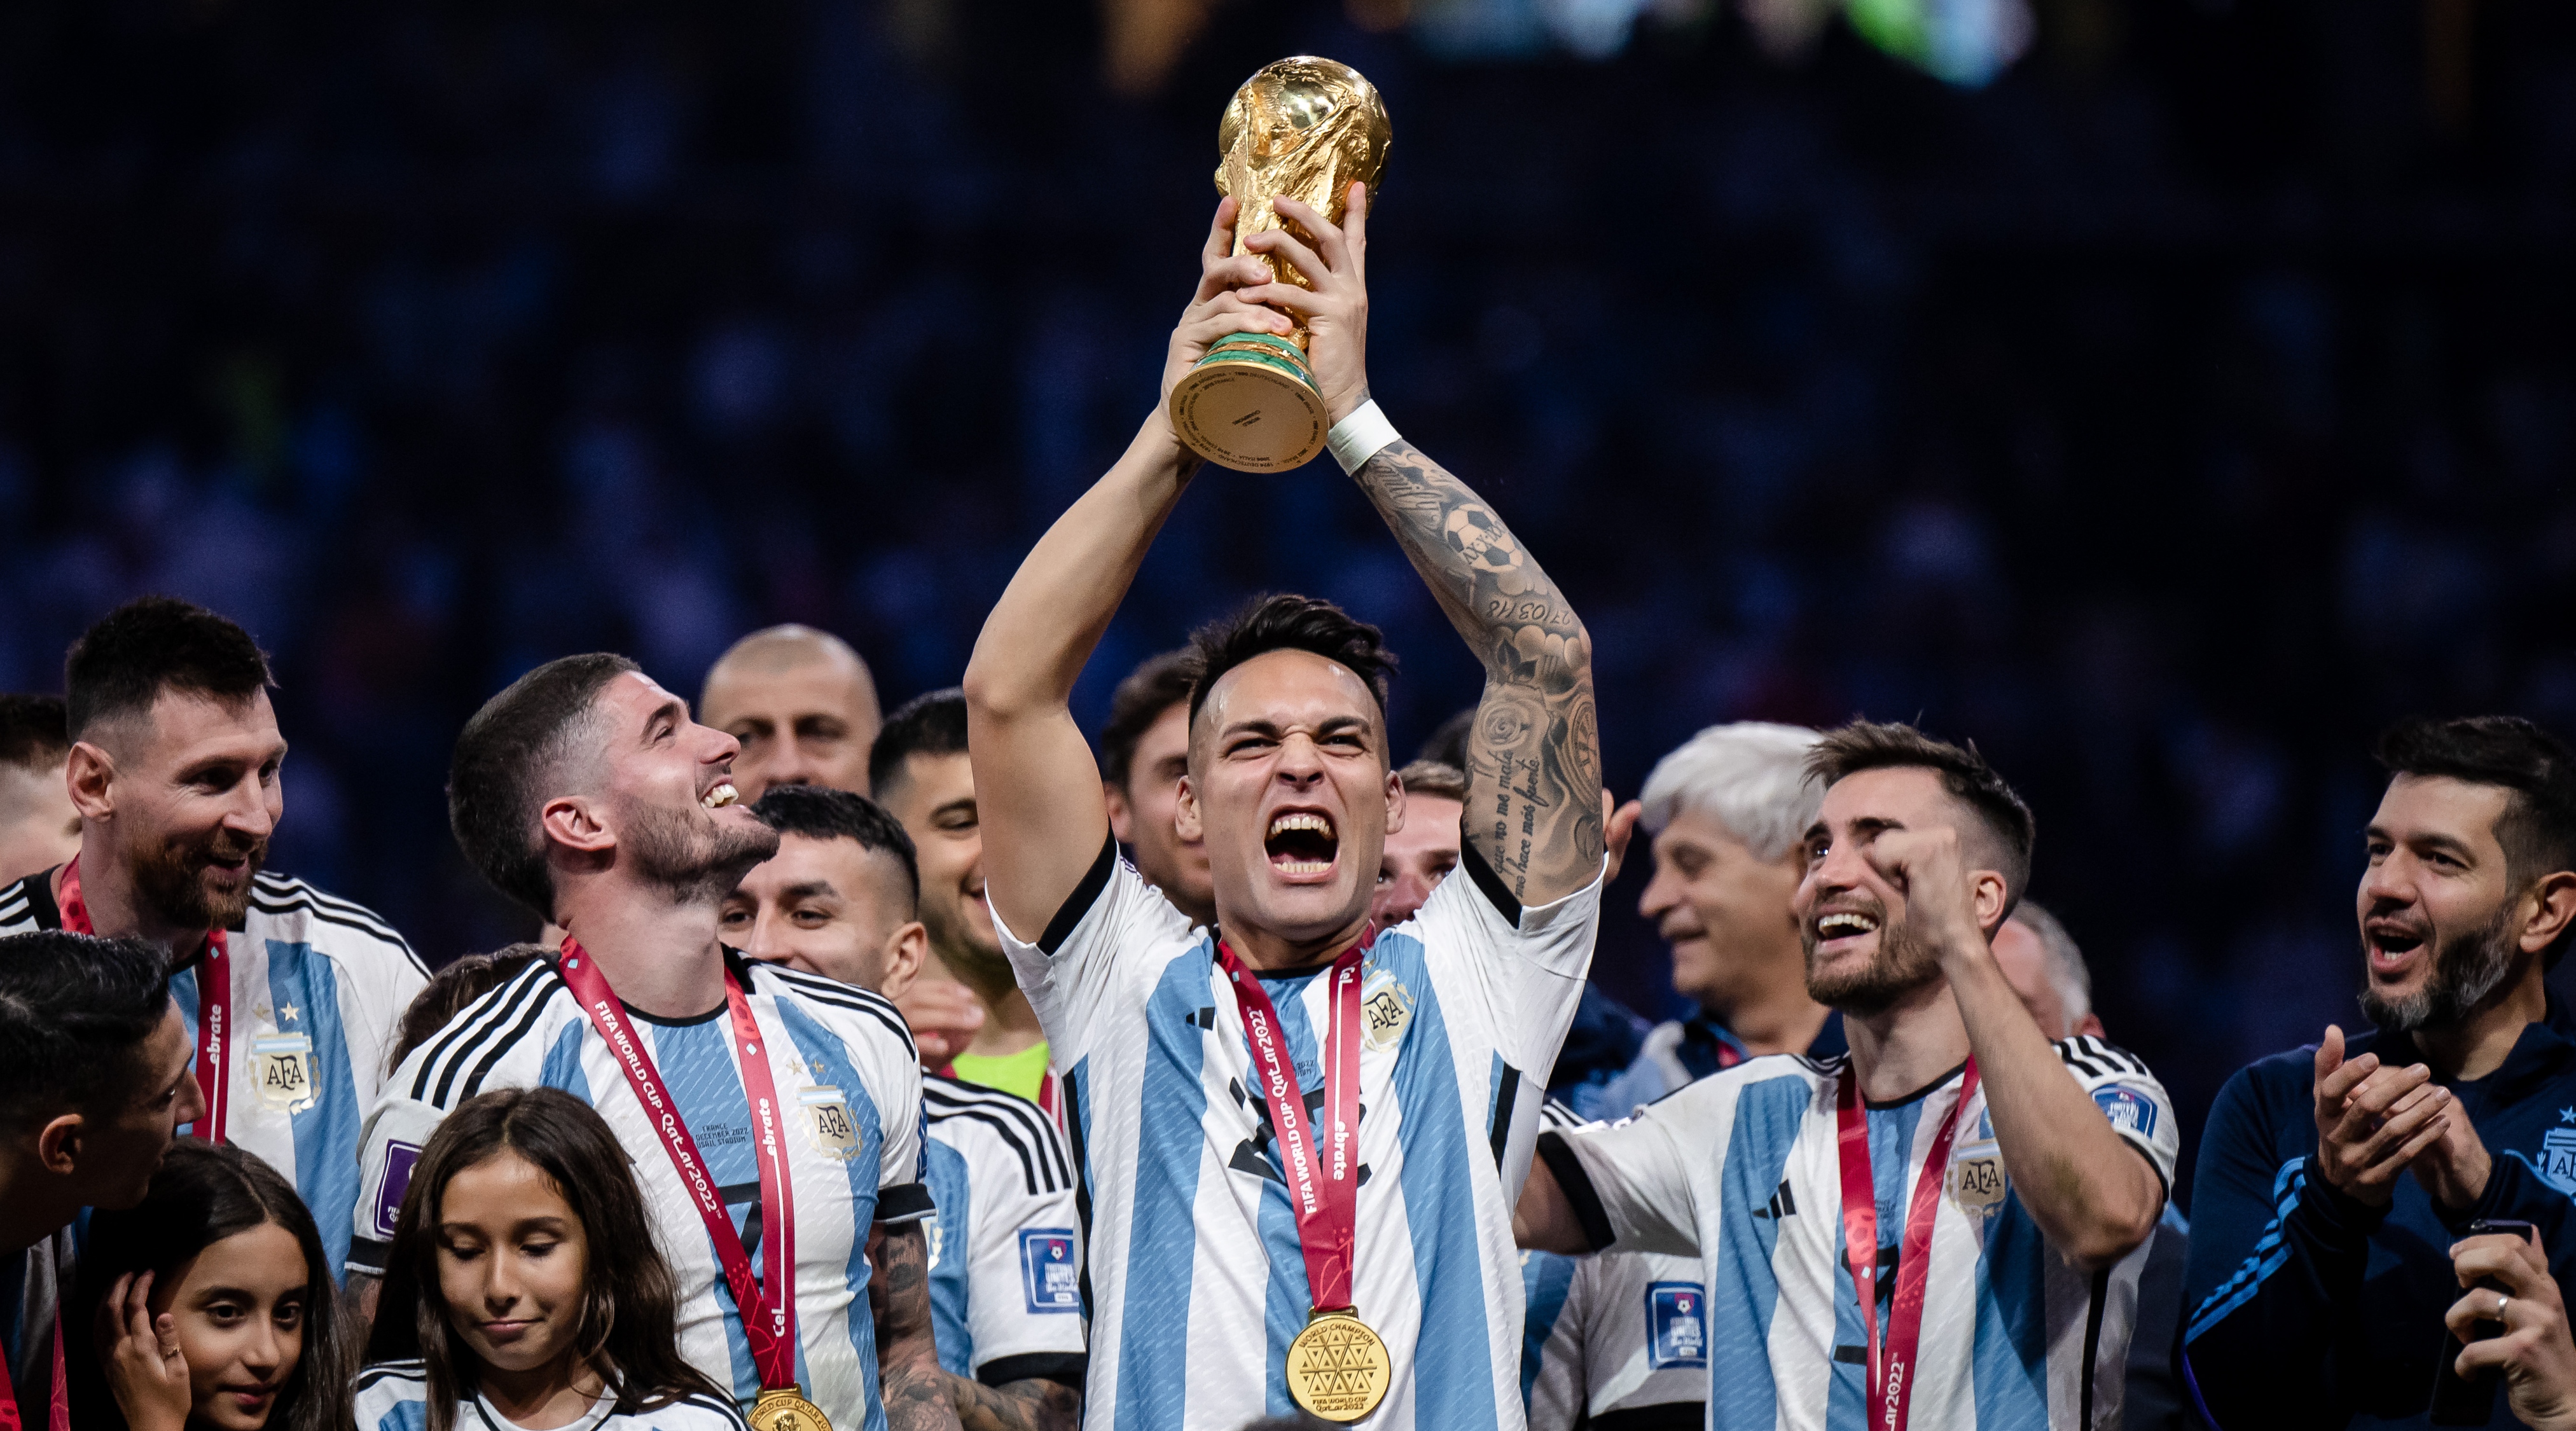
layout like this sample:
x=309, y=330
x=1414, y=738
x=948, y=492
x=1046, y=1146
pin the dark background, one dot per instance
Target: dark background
x=2167, y=415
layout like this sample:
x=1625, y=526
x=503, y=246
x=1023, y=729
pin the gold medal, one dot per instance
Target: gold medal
x=1337, y=1367
x=784, y=1408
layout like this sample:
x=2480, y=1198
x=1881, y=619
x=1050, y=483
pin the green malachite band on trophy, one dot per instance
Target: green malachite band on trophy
x=1261, y=359
x=1286, y=348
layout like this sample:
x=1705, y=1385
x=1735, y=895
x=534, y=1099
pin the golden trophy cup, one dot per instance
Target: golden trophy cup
x=1305, y=128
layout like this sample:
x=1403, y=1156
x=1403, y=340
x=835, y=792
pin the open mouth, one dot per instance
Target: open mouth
x=1842, y=924
x=1301, y=842
x=2392, y=946
x=722, y=795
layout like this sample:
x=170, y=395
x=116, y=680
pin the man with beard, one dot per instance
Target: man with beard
x=38, y=826
x=2334, y=1180
x=773, y=1117
x=1300, y=1144
x=292, y=997
x=923, y=778
x=1989, y=1195
x=1144, y=752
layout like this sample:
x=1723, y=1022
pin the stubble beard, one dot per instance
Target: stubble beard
x=2466, y=969
x=690, y=862
x=1903, y=964
x=170, y=880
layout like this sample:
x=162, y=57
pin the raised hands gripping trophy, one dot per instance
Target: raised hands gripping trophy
x=1305, y=128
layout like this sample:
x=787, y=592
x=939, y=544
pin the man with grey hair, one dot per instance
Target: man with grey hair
x=803, y=706
x=2041, y=962
x=1726, y=811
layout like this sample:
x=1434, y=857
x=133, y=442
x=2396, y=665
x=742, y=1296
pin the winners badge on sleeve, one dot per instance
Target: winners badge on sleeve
x=281, y=1068
x=827, y=1123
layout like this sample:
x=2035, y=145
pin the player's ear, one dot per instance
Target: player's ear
x=89, y=776
x=1987, y=894
x=570, y=821
x=905, y=950
x=1122, y=816
x=1394, y=803
x=1185, y=815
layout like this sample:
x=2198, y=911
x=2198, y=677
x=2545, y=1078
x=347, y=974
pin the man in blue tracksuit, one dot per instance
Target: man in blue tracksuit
x=2334, y=1179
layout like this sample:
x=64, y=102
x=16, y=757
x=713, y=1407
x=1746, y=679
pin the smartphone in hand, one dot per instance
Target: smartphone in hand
x=2470, y=1401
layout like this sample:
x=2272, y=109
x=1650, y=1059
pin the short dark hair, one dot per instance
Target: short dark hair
x=627, y=1322
x=932, y=723
x=2538, y=826
x=1154, y=687
x=820, y=814
x=465, y=979
x=151, y=644
x=1965, y=775
x=1288, y=622
x=1436, y=778
x=504, y=755
x=74, y=1014
x=34, y=732
x=202, y=1194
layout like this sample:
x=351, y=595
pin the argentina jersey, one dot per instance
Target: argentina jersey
x=394, y=1396
x=1617, y=1340
x=1741, y=1169
x=1005, y=1247
x=1197, y=1279
x=319, y=986
x=843, y=1063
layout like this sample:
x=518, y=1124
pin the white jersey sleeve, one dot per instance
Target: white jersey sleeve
x=2140, y=1110
x=1631, y=1184
x=1024, y=1252
x=868, y=1026
x=1526, y=964
x=1087, y=972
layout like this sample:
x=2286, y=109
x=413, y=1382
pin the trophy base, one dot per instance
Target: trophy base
x=1251, y=407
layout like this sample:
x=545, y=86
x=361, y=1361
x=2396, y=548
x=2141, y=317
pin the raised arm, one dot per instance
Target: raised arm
x=1534, y=759
x=1037, y=789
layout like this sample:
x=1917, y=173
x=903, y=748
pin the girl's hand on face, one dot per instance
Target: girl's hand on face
x=140, y=1353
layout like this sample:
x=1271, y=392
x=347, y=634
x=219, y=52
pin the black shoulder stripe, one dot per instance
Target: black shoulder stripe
x=287, y=887
x=469, y=1026
x=311, y=910
x=1490, y=884
x=2073, y=1057
x=493, y=1054
x=851, y=997
x=940, y=1105
x=1030, y=1168
x=406, y=1370
x=504, y=1022
x=1084, y=896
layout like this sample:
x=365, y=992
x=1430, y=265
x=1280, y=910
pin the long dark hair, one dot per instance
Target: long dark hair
x=630, y=1321
x=203, y=1194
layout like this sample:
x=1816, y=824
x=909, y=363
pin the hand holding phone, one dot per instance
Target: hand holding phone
x=2510, y=1326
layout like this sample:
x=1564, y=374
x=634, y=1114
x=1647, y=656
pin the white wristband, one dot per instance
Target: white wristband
x=1358, y=437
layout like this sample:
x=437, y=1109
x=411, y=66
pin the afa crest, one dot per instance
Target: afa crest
x=2557, y=1163
x=1386, y=1007
x=1977, y=1182
x=828, y=1125
x=281, y=1068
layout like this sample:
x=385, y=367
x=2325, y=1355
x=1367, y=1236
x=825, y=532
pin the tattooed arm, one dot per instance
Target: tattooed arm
x=915, y=1390
x=1534, y=806
x=1032, y=1405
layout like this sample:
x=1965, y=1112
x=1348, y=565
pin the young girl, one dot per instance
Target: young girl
x=524, y=1291
x=212, y=1306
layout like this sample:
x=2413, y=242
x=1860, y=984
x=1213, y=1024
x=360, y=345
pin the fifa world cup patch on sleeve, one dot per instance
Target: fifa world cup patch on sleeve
x=1049, y=1272
x=400, y=1158
x=281, y=1068
x=1676, y=1325
x=2129, y=1110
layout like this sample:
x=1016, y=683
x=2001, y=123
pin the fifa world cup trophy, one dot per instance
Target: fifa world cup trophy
x=1304, y=128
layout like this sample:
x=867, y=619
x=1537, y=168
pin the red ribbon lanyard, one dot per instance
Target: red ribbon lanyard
x=1891, y=1368
x=1323, y=1186
x=214, y=1009
x=58, y=1415
x=768, y=1317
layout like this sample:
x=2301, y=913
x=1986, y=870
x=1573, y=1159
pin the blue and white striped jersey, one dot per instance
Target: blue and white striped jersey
x=1005, y=1245
x=319, y=989
x=1197, y=1281
x=394, y=1396
x=841, y=1056
x=1741, y=1169
x=1614, y=1339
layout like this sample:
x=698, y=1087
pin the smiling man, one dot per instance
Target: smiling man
x=2334, y=1179
x=1300, y=1145
x=1949, y=1220
x=773, y=1116
x=802, y=704
x=291, y=997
